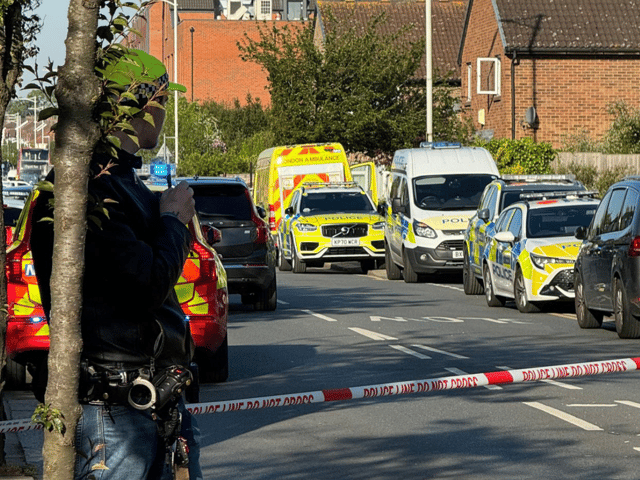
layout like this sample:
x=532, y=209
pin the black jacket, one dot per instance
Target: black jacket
x=133, y=259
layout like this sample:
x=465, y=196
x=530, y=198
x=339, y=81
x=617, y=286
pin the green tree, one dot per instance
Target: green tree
x=358, y=88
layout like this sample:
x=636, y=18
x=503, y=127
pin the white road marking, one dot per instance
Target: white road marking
x=408, y=351
x=556, y=383
x=494, y=320
x=371, y=335
x=629, y=403
x=570, y=316
x=564, y=416
x=319, y=315
x=282, y=302
x=431, y=349
x=637, y=449
x=579, y=405
x=457, y=371
x=446, y=286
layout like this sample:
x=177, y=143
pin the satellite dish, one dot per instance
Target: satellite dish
x=531, y=116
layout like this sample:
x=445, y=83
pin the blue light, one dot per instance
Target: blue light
x=37, y=319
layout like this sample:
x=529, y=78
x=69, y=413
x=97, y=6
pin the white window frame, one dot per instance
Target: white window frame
x=496, y=75
x=469, y=81
x=263, y=10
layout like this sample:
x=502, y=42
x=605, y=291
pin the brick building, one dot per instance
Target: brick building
x=546, y=70
x=209, y=63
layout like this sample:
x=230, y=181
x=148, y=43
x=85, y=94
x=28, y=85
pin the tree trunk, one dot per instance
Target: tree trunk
x=76, y=137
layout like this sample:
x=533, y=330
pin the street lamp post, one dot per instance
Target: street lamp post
x=174, y=4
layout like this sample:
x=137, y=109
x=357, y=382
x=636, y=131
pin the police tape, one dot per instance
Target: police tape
x=396, y=388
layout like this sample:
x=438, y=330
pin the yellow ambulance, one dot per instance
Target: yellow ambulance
x=282, y=170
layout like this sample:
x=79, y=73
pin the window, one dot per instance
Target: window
x=503, y=220
x=614, y=211
x=491, y=203
x=515, y=225
x=599, y=217
x=488, y=76
x=263, y=10
x=628, y=209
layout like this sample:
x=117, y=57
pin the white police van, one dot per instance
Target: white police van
x=434, y=190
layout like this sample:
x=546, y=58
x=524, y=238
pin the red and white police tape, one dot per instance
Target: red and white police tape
x=398, y=388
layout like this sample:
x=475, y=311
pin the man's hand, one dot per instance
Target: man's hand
x=179, y=202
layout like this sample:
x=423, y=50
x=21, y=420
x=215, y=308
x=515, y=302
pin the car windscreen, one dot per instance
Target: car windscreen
x=449, y=192
x=558, y=222
x=320, y=203
x=227, y=201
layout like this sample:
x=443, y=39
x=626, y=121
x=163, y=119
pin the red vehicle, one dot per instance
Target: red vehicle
x=202, y=292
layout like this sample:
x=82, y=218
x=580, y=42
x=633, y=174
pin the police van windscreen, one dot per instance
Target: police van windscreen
x=558, y=222
x=322, y=203
x=449, y=192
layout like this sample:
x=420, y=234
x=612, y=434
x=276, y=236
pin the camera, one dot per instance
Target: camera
x=156, y=392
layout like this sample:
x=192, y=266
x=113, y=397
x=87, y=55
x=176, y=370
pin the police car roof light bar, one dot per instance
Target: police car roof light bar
x=329, y=184
x=549, y=195
x=569, y=178
x=433, y=145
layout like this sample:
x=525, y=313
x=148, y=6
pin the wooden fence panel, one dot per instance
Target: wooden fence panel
x=601, y=161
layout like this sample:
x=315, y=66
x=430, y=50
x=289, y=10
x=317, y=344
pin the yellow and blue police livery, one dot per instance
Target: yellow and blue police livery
x=498, y=195
x=331, y=222
x=531, y=254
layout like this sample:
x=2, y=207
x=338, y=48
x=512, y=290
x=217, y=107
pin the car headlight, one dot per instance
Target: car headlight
x=378, y=226
x=423, y=230
x=306, y=227
x=539, y=261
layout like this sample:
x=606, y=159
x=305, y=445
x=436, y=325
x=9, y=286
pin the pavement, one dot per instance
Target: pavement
x=25, y=448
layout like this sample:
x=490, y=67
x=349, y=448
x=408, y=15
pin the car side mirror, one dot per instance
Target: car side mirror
x=580, y=233
x=397, y=206
x=261, y=212
x=382, y=208
x=484, y=214
x=288, y=210
x=211, y=234
x=504, y=237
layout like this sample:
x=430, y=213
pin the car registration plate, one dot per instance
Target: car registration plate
x=345, y=242
x=457, y=254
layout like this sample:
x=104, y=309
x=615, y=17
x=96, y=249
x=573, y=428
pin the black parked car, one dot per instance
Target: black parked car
x=247, y=249
x=607, y=271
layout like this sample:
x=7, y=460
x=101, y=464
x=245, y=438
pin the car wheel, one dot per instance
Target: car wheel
x=214, y=367
x=283, y=264
x=268, y=298
x=520, y=295
x=627, y=325
x=366, y=265
x=16, y=375
x=586, y=317
x=409, y=274
x=297, y=265
x=492, y=299
x=469, y=281
x=393, y=271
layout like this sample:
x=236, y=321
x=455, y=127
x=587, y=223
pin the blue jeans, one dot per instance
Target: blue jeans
x=126, y=442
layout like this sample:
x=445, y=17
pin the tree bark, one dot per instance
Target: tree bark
x=77, y=135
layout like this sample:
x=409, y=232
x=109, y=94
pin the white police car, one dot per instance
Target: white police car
x=531, y=255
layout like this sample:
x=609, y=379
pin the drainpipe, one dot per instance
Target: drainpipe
x=513, y=96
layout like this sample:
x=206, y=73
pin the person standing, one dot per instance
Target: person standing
x=133, y=328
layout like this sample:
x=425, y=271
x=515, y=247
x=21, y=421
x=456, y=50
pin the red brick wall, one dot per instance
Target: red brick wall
x=570, y=94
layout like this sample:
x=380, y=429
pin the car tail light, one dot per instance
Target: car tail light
x=261, y=226
x=207, y=262
x=272, y=218
x=14, y=263
x=634, y=247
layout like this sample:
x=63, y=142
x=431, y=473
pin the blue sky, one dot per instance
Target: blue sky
x=54, y=30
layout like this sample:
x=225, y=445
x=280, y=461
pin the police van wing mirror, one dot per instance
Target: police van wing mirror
x=397, y=206
x=382, y=208
x=580, y=233
x=289, y=210
x=505, y=237
x=484, y=214
x=211, y=234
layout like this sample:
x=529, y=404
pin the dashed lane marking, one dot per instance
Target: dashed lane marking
x=568, y=386
x=599, y=405
x=451, y=287
x=578, y=422
x=431, y=349
x=408, y=351
x=319, y=315
x=371, y=335
x=282, y=302
x=457, y=371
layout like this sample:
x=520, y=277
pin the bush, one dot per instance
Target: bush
x=592, y=178
x=520, y=156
